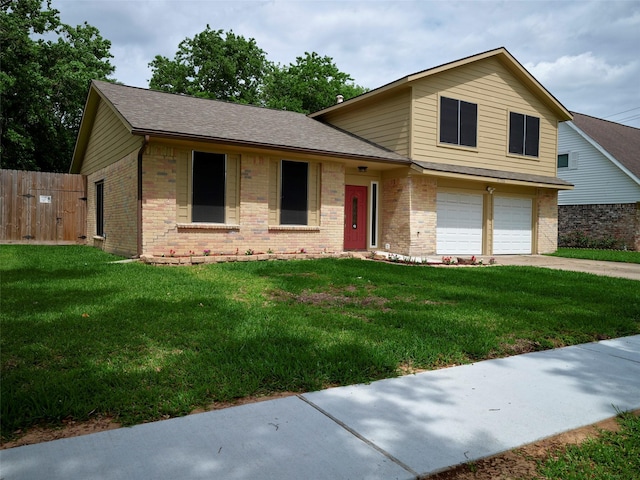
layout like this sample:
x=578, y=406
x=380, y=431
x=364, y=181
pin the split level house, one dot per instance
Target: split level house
x=602, y=159
x=456, y=159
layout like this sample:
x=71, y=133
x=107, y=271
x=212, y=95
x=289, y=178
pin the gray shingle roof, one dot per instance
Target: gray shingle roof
x=621, y=141
x=164, y=114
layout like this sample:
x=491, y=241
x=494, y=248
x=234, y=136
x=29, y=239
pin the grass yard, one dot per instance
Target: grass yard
x=605, y=255
x=82, y=336
x=614, y=455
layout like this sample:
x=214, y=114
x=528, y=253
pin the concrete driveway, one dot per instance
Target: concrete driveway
x=609, y=269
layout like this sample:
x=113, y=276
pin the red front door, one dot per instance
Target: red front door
x=355, y=214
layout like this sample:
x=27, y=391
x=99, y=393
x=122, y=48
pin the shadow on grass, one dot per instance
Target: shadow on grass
x=159, y=342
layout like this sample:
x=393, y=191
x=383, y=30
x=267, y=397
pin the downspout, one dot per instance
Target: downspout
x=140, y=154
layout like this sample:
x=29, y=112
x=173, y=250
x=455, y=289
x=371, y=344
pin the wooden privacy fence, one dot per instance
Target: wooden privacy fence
x=42, y=207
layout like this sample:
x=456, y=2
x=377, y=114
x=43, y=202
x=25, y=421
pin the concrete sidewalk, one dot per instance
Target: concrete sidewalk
x=391, y=429
x=597, y=267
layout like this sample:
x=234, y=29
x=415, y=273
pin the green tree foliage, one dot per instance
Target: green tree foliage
x=309, y=85
x=226, y=66
x=213, y=64
x=46, y=69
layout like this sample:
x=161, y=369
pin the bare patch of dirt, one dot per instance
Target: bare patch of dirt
x=521, y=463
x=69, y=428
x=334, y=297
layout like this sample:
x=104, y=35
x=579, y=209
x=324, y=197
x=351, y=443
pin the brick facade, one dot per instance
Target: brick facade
x=395, y=209
x=423, y=216
x=407, y=206
x=120, y=207
x=547, y=224
x=606, y=222
x=163, y=233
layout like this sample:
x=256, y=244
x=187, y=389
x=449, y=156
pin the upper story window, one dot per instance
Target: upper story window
x=208, y=187
x=563, y=160
x=458, y=122
x=524, y=134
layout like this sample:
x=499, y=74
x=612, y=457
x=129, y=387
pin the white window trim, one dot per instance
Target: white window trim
x=374, y=218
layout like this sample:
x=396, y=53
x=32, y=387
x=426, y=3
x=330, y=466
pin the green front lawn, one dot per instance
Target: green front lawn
x=603, y=255
x=82, y=336
x=613, y=456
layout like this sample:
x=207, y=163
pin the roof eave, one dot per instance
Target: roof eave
x=94, y=97
x=490, y=179
x=265, y=146
x=502, y=53
x=604, y=152
x=362, y=97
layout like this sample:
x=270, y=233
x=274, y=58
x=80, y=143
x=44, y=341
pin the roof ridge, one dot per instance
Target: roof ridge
x=195, y=97
x=604, y=120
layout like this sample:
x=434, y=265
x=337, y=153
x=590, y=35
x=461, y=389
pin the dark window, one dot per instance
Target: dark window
x=563, y=160
x=100, y=209
x=524, y=134
x=458, y=122
x=293, y=193
x=208, y=187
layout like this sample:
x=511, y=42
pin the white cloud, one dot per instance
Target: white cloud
x=584, y=52
x=580, y=70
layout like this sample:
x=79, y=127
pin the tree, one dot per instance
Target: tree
x=309, y=85
x=44, y=84
x=213, y=64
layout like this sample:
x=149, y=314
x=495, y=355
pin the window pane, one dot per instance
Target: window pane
x=468, y=123
x=516, y=133
x=354, y=212
x=100, y=209
x=208, y=187
x=532, y=136
x=293, y=200
x=448, y=120
x=563, y=160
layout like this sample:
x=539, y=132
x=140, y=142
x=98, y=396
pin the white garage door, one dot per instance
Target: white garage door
x=511, y=225
x=459, y=224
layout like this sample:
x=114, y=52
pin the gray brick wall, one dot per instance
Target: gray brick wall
x=603, y=222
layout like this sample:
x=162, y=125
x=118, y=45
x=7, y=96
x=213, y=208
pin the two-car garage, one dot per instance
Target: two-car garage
x=461, y=222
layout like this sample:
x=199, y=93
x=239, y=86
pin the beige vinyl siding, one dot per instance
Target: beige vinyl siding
x=385, y=122
x=109, y=141
x=497, y=92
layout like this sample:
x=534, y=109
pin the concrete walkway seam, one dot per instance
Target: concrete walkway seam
x=357, y=435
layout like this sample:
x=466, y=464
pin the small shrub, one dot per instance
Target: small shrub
x=580, y=239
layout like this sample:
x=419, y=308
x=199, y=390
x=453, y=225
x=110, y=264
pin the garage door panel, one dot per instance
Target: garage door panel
x=512, y=230
x=459, y=224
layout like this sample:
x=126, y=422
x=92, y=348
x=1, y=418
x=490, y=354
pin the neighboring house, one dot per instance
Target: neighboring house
x=602, y=159
x=457, y=159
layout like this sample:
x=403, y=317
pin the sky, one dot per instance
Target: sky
x=586, y=53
